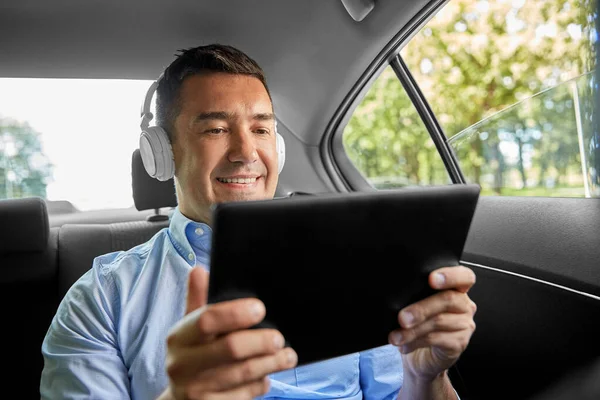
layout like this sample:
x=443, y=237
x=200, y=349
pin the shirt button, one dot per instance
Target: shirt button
x=191, y=256
x=199, y=231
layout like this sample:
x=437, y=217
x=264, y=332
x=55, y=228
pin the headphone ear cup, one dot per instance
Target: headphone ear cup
x=280, y=152
x=156, y=153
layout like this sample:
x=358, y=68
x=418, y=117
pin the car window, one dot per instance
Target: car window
x=510, y=83
x=541, y=146
x=69, y=140
x=387, y=141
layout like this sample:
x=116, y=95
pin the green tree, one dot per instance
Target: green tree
x=484, y=56
x=24, y=169
x=384, y=133
x=473, y=60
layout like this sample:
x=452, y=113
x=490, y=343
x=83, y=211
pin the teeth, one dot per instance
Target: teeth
x=237, y=180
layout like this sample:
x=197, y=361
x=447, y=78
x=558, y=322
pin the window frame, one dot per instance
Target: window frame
x=429, y=119
x=340, y=169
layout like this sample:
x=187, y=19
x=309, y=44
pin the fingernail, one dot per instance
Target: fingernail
x=256, y=309
x=439, y=279
x=291, y=357
x=278, y=341
x=407, y=318
x=396, y=338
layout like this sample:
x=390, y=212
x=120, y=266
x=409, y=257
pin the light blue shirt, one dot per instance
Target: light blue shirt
x=108, y=337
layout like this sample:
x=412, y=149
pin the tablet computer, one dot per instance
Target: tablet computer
x=334, y=270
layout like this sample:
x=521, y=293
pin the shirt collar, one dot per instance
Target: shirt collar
x=191, y=239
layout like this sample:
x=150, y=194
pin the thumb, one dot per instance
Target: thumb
x=197, y=291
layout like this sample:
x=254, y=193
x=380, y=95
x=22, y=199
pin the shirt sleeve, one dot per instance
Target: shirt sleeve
x=381, y=373
x=80, y=350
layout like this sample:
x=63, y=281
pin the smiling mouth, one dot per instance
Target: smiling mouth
x=237, y=180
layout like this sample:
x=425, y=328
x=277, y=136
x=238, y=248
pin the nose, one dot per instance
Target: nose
x=242, y=147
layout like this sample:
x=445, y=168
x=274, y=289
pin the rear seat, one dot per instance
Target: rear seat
x=28, y=282
x=79, y=244
x=39, y=264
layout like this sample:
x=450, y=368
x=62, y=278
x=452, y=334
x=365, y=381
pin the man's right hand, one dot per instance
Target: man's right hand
x=211, y=353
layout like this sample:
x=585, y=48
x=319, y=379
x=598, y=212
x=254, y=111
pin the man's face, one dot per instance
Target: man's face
x=224, y=143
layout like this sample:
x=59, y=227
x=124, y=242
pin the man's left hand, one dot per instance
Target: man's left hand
x=435, y=331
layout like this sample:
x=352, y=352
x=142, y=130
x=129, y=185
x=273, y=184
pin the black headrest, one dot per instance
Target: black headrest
x=24, y=225
x=150, y=193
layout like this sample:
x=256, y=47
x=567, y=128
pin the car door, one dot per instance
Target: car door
x=501, y=94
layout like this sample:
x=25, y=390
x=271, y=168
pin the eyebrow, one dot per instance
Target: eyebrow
x=225, y=115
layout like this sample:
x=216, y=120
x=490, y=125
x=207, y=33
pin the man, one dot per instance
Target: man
x=127, y=328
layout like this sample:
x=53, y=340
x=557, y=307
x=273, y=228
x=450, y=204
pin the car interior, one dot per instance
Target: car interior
x=535, y=258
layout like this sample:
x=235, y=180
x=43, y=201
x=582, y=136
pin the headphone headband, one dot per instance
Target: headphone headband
x=145, y=112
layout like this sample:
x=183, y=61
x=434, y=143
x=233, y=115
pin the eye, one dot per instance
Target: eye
x=215, y=131
x=262, y=131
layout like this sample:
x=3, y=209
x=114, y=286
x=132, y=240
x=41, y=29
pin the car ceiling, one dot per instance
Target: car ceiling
x=312, y=51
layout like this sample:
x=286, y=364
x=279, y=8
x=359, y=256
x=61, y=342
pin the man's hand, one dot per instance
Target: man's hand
x=211, y=353
x=435, y=331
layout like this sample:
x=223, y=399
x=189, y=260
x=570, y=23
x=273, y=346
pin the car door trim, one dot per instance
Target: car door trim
x=470, y=264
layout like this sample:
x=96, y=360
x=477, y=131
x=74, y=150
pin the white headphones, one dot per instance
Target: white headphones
x=155, y=147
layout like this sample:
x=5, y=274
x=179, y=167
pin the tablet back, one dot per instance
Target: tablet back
x=334, y=270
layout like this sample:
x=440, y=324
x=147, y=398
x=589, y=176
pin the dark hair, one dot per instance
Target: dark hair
x=197, y=60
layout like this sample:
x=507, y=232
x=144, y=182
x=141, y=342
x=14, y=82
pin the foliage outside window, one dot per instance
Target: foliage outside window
x=541, y=146
x=24, y=169
x=476, y=60
x=387, y=141
x=510, y=83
